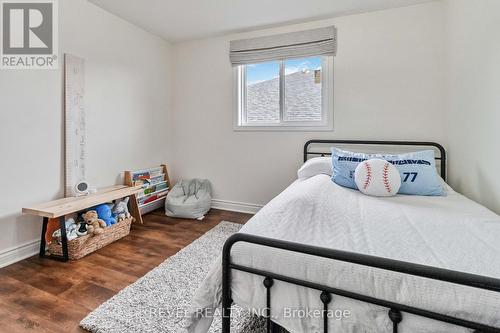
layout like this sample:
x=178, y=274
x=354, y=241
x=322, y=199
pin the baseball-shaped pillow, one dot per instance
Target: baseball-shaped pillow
x=377, y=177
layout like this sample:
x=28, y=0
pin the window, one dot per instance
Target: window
x=291, y=94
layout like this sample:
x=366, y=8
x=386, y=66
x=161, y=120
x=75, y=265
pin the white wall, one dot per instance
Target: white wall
x=431, y=69
x=389, y=84
x=473, y=117
x=128, y=108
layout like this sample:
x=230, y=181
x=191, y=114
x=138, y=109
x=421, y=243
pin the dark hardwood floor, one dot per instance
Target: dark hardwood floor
x=41, y=295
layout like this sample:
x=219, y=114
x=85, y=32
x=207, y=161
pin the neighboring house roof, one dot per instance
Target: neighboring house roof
x=302, y=99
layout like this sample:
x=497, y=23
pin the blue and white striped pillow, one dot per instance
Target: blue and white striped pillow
x=418, y=170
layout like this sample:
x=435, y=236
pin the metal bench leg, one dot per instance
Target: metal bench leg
x=42, y=240
x=64, y=238
x=64, y=241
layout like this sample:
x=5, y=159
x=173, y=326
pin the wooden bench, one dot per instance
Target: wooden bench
x=61, y=207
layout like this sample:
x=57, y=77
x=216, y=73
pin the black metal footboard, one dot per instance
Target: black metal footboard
x=395, y=310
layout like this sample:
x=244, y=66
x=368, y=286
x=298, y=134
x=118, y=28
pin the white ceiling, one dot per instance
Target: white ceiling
x=180, y=20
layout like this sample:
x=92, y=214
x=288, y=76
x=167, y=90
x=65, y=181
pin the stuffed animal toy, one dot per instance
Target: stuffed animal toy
x=52, y=226
x=71, y=230
x=104, y=213
x=120, y=209
x=95, y=225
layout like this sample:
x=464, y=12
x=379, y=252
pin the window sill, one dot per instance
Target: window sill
x=282, y=128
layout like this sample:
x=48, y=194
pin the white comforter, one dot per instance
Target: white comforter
x=449, y=232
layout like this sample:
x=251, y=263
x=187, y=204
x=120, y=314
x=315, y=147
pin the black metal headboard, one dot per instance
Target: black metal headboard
x=441, y=158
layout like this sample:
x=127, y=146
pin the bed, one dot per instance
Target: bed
x=400, y=264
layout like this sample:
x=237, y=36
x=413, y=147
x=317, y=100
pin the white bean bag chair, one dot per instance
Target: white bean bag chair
x=190, y=199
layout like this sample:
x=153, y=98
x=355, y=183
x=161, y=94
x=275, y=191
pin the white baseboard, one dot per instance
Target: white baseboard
x=17, y=253
x=234, y=206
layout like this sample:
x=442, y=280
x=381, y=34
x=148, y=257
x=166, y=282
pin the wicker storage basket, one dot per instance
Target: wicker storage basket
x=81, y=246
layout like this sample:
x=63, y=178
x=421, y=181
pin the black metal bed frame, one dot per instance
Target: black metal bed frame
x=395, y=310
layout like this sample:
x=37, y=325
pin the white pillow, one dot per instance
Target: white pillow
x=316, y=166
x=447, y=189
x=377, y=177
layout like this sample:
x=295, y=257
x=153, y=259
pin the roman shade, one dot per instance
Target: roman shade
x=322, y=41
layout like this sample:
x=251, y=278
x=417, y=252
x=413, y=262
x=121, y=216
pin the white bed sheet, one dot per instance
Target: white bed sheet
x=450, y=232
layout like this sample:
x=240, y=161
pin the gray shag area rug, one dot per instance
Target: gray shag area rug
x=159, y=300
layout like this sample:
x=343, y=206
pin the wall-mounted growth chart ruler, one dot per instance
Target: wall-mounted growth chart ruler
x=75, y=126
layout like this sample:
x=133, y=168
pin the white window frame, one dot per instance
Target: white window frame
x=326, y=124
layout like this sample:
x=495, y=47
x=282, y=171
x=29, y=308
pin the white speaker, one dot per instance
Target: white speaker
x=81, y=188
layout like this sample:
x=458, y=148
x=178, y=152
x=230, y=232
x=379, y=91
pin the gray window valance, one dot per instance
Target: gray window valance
x=322, y=41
